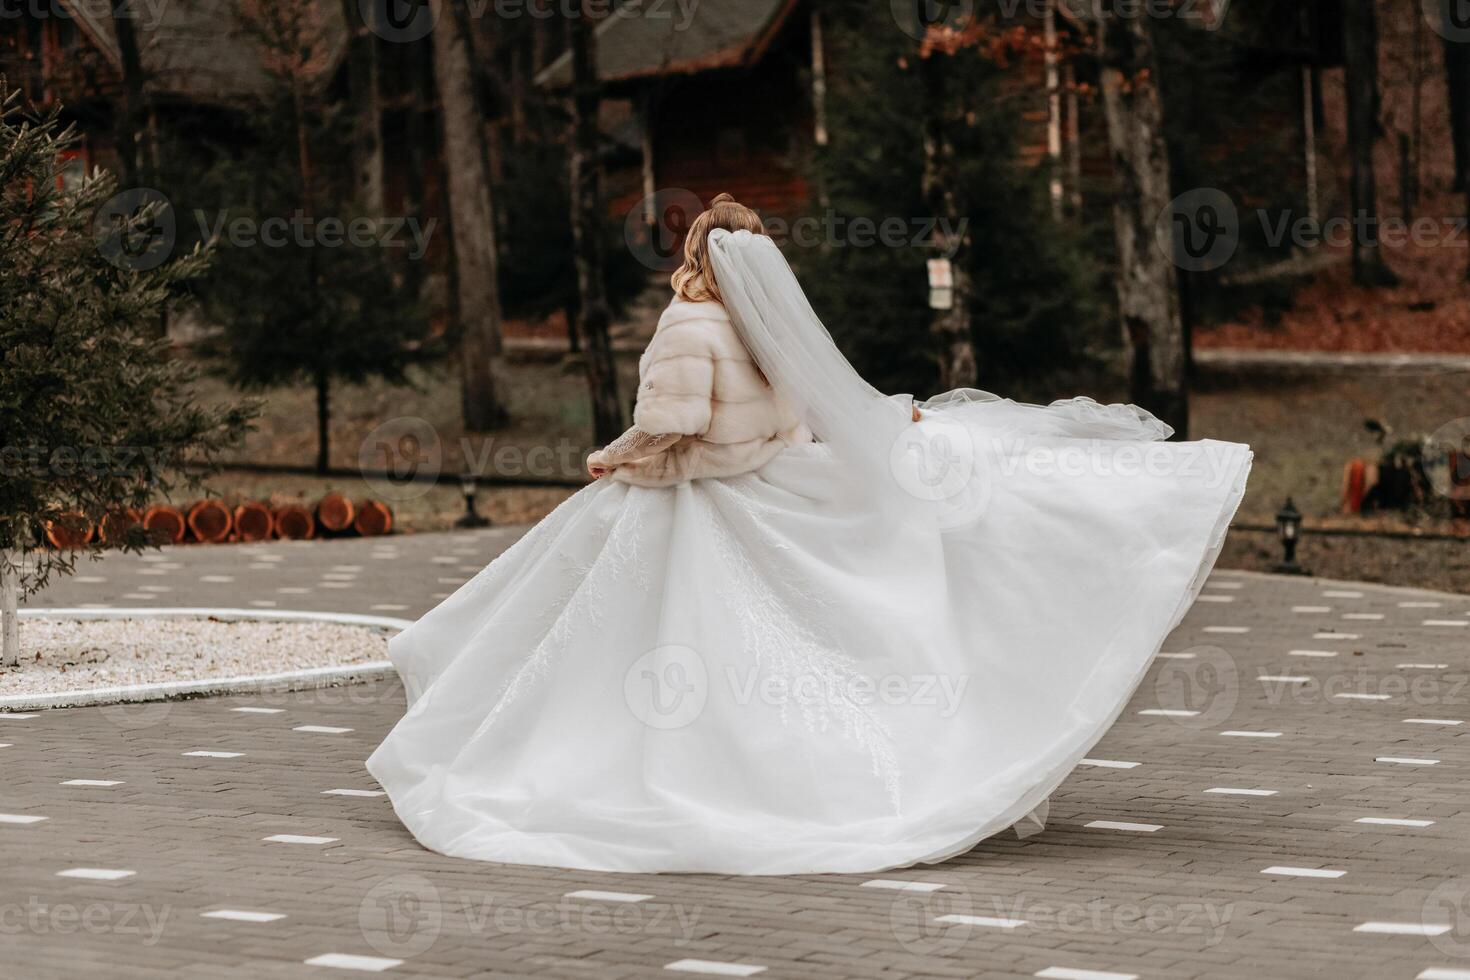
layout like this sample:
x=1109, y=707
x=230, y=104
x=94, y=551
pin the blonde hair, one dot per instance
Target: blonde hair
x=695, y=280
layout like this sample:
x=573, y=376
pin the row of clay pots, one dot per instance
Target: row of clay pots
x=214, y=522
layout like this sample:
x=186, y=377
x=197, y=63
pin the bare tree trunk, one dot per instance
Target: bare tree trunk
x=1147, y=281
x=136, y=141
x=9, y=606
x=323, y=385
x=366, y=114
x=1360, y=44
x=593, y=314
x=1457, y=75
x=472, y=221
x=950, y=328
x=130, y=121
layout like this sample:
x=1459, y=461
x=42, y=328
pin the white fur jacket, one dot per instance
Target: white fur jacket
x=704, y=409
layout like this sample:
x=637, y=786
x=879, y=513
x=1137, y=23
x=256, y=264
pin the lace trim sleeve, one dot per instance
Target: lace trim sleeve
x=635, y=444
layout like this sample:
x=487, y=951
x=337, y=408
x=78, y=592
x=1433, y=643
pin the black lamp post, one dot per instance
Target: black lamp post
x=469, y=486
x=1289, y=530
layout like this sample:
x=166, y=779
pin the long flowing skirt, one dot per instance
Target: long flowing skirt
x=766, y=675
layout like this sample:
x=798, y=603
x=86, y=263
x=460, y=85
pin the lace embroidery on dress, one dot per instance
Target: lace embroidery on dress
x=783, y=646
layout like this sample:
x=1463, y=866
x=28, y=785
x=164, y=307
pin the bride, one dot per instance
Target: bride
x=795, y=625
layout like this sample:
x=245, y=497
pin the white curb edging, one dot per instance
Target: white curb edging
x=294, y=680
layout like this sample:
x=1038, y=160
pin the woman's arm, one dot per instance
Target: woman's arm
x=635, y=444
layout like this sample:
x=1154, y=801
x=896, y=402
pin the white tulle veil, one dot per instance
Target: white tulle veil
x=797, y=354
x=938, y=463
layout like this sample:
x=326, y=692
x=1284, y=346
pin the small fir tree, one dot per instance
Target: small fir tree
x=95, y=417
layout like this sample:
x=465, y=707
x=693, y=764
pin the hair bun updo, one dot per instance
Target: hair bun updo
x=694, y=280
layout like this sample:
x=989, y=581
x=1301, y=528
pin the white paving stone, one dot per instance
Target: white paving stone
x=903, y=886
x=259, y=711
x=1312, y=653
x=96, y=874
x=213, y=754
x=1109, y=764
x=242, y=915
x=1168, y=712
x=321, y=729
x=352, y=792
x=92, y=782
x=984, y=921
x=352, y=961
x=1403, y=928
x=1406, y=761
x=715, y=968
x=1233, y=791
x=1075, y=973
x=1451, y=722
x=1302, y=872
x=1394, y=822
x=593, y=895
x=298, y=839
x=1235, y=733
x=1140, y=828
x=20, y=818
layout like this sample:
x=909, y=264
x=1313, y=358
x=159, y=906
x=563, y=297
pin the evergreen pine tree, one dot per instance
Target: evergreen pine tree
x=95, y=417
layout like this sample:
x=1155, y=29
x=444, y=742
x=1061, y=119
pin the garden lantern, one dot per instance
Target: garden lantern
x=1289, y=529
x=469, y=486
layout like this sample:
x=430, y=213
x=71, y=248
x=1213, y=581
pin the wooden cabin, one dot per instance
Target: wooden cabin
x=732, y=100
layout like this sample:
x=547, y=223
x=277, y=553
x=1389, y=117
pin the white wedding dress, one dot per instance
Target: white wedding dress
x=791, y=671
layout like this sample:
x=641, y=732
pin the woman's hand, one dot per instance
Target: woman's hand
x=917, y=415
x=596, y=467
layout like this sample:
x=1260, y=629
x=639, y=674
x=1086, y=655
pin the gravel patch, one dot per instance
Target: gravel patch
x=77, y=655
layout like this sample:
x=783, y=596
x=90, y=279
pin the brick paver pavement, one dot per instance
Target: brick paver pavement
x=1285, y=796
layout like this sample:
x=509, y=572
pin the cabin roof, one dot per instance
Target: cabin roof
x=652, y=38
x=201, y=50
